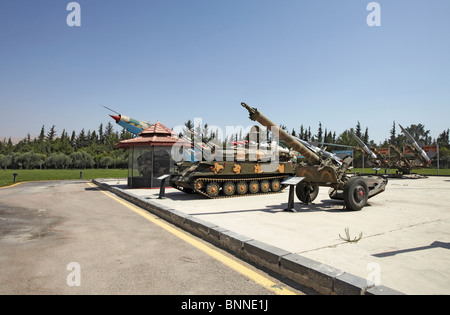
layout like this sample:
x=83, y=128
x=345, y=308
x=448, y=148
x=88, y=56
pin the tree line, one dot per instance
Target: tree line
x=87, y=149
x=332, y=141
x=418, y=132
x=96, y=148
x=397, y=139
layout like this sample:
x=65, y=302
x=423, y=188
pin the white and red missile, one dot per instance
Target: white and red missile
x=132, y=125
x=364, y=147
x=416, y=146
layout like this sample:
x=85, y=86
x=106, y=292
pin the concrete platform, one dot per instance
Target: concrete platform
x=405, y=244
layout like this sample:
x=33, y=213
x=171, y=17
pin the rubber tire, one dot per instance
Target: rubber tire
x=253, y=187
x=216, y=189
x=265, y=186
x=239, y=191
x=275, y=182
x=226, y=191
x=353, y=189
x=300, y=192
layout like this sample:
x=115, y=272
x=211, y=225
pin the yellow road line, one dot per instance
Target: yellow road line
x=261, y=280
x=11, y=185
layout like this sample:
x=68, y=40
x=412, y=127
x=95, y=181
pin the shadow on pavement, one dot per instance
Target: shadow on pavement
x=436, y=244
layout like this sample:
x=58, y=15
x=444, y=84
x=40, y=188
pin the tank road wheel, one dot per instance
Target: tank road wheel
x=265, y=186
x=253, y=187
x=275, y=185
x=212, y=189
x=356, y=193
x=306, y=193
x=241, y=188
x=198, y=185
x=229, y=188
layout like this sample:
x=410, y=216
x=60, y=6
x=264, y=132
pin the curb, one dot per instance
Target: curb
x=307, y=272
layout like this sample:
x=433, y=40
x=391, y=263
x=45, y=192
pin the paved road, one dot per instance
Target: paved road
x=405, y=230
x=68, y=237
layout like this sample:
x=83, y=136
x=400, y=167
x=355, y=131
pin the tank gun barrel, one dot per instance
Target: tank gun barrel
x=255, y=115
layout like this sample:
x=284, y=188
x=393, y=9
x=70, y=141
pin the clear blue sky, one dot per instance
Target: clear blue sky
x=299, y=62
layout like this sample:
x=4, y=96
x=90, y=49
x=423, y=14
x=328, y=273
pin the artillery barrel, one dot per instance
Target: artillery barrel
x=255, y=115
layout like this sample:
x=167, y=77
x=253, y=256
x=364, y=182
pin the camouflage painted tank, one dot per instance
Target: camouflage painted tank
x=231, y=178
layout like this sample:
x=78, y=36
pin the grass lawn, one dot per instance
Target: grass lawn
x=7, y=178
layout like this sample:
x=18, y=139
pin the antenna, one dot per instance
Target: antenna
x=110, y=109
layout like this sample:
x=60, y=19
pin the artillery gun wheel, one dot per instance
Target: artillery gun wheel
x=253, y=187
x=241, y=188
x=265, y=186
x=275, y=185
x=356, y=193
x=229, y=188
x=212, y=189
x=306, y=193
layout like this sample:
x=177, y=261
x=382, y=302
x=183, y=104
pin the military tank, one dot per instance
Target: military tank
x=324, y=170
x=241, y=176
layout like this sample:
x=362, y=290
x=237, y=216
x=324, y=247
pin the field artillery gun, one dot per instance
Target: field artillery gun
x=322, y=170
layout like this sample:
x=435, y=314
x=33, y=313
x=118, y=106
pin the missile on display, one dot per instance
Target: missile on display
x=130, y=124
x=419, y=150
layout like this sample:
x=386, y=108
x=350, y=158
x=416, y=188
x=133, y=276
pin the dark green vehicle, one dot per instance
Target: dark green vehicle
x=241, y=177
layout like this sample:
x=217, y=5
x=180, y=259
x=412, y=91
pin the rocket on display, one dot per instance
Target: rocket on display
x=421, y=153
x=130, y=124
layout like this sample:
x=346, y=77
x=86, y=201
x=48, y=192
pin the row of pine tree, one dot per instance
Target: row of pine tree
x=96, y=148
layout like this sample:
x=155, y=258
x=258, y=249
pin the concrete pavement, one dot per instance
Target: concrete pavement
x=67, y=238
x=404, y=246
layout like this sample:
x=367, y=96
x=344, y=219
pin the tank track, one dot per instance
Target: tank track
x=247, y=180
